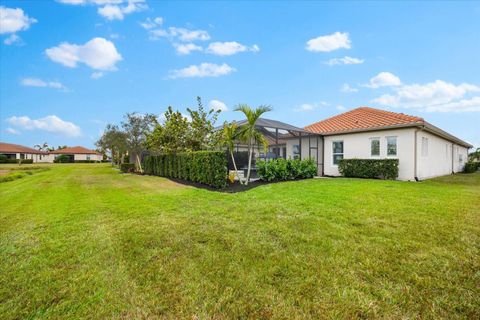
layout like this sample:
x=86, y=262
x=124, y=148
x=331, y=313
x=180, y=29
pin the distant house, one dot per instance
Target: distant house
x=19, y=152
x=16, y=151
x=78, y=153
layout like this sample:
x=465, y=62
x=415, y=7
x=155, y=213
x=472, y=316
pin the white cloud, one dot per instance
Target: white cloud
x=13, y=39
x=97, y=75
x=217, y=105
x=50, y=123
x=346, y=88
x=344, y=60
x=152, y=23
x=12, y=131
x=329, y=43
x=340, y=107
x=384, y=79
x=98, y=53
x=202, y=70
x=186, y=48
x=179, y=34
x=437, y=96
x=14, y=20
x=35, y=82
x=229, y=48
x=112, y=9
x=310, y=106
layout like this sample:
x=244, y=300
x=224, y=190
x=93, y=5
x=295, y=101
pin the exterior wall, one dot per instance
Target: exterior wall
x=441, y=156
x=37, y=158
x=94, y=157
x=358, y=145
x=311, y=147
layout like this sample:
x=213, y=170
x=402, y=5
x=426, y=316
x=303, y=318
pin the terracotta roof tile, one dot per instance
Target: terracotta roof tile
x=16, y=148
x=74, y=150
x=363, y=118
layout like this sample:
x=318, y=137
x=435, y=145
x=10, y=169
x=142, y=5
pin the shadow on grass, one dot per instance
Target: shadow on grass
x=230, y=188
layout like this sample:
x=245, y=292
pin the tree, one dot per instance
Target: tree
x=228, y=138
x=171, y=136
x=475, y=155
x=115, y=141
x=137, y=127
x=249, y=133
x=42, y=147
x=201, y=134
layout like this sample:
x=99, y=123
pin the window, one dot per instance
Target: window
x=391, y=146
x=424, y=147
x=337, y=151
x=88, y=157
x=296, y=151
x=375, y=147
x=460, y=158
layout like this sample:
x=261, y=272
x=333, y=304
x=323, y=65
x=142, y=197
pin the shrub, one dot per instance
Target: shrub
x=24, y=161
x=86, y=161
x=206, y=167
x=63, y=159
x=369, y=168
x=471, y=167
x=3, y=158
x=282, y=169
x=127, y=167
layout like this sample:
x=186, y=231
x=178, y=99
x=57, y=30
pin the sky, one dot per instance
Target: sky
x=69, y=67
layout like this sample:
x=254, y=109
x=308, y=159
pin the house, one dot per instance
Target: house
x=16, y=151
x=78, y=153
x=19, y=152
x=423, y=150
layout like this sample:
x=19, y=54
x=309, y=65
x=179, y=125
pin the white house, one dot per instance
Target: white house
x=78, y=153
x=16, y=151
x=423, y=150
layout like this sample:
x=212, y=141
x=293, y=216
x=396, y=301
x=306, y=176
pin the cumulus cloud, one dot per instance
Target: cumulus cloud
x=12, y=131
x=179, y=34
x=217, y=105
x=13, y=39
x=97, y=75
x=35, y=82
x=98, y=54
x=384, y=79
x=112, y=9
x=50, y=123
x=229, y=48
x=310, y=106
x=346, y=88
x=344, y=60
x=437, y=96
x=202, y=70
x=186, y=48
x=334, y=41
x=151, y=23
x=14, y=20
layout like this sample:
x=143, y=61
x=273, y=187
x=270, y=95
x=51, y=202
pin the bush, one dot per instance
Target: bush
x=369, y=168
x=24, y=161
x=86, y=161
x=3, y=158
x=471, y=167
x=206, y=167
x=127, y=167
x=63, y=159
x=282, y=169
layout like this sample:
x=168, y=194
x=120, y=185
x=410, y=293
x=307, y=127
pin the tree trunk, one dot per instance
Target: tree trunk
x=139, y=164
x=235, y=167
x=250, y=152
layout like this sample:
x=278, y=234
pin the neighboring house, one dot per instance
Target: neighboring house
x=78, y=153
x=19, y=152
x=423, y=150
x=16, y=151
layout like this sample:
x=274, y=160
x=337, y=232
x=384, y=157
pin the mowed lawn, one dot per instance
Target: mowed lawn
x=83, y=241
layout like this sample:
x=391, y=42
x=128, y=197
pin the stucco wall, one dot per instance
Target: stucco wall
x=437, y=159
x=94, y=157
x=308, y=149
x=358, y=145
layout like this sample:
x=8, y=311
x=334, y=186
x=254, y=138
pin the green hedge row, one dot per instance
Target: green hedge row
x=369, y=168
x=24, y=161
x=127, y=167
x=206, y=167
x=471, y=167
x=86, y=161
x=282, y=169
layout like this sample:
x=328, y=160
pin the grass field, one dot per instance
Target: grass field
x=83, y=241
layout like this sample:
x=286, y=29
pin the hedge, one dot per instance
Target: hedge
x=127, y=167
x=86, y=161
x=471, y=167
x=369, y=168
x=206, y=167
x=282, y=169
x=63, y=159
x=24, y=161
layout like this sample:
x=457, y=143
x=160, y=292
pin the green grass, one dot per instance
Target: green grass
x=13, y=172
x=82, y=241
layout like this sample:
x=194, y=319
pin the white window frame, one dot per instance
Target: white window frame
x=396, y=146
x=379, y=147
x=337, y=153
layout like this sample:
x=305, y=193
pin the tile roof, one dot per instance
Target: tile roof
x=16, y=148
x=74, y=150
x=363, y=118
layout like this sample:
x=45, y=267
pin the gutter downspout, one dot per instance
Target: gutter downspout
x=415, y=156
x=453, y=170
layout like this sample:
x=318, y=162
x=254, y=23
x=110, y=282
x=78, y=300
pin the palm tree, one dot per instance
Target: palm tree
x=43, y=147
x=229, y=135
x=249, y=133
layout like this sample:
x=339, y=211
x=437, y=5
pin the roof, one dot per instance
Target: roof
x=371, y=119
x=74, y=150
x=16, y=148
x=274, y=124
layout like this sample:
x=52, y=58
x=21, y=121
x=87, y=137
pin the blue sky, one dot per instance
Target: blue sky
x=68, y=67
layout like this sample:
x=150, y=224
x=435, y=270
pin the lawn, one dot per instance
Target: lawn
x=83, y=241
